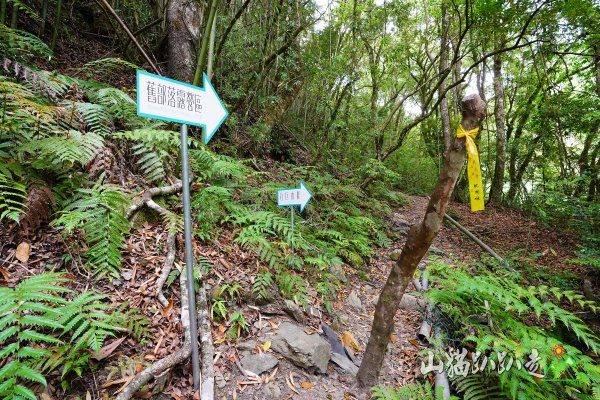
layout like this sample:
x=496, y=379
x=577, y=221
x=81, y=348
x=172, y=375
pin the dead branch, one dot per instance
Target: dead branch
x=148, y=201
x=478, y=241
x=207, y=377
x=131, y=35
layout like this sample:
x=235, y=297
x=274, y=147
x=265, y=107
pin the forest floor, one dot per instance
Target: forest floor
x=507, y=231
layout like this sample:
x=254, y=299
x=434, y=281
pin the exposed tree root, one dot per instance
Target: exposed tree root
x=168, y=265
x=149, y=194
x=161, y=366
x=147, y=200
x=206, y=345
x=171, y=360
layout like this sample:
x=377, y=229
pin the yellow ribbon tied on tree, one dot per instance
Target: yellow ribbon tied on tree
x=473, y=168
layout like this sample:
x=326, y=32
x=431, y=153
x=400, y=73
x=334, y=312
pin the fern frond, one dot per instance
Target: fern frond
x=21, y=45
x=73, y=147
x=100, y=213
x=104, y=67
x=12, y=198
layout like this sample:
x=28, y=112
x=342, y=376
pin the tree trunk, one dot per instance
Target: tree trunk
x=500, y=117
x=2, y=11
x=517, y=176
x=418, y=242
x=56, y=26
x=184, y=19
x=444, y=49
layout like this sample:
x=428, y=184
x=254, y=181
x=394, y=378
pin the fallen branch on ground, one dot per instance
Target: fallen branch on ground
x=478, y=241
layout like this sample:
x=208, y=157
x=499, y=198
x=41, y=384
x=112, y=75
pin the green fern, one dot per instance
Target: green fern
x=21, y=45
x=105, y=67
x=511, y=306
x=12, y=198
x=478, y=387
x=413, y=391
x=28, y=311
x=210, y=206
x=262, y=282
x=40, y=331
x=99, y=213
x=118, y=103
x=57, y=152
x=293, y=287
x=153, y=150
x=94, y=118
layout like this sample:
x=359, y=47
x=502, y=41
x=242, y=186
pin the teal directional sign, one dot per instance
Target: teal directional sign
x=294, y=197
x=170, y=100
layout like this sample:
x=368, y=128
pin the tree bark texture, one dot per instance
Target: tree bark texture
x=500, y=117
x=444, y=49
x=184, y=19
x=419, y=239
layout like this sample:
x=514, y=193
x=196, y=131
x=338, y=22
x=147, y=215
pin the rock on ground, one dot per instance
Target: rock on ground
x=271, y=391
x=354, y=302
x=294, y=311
x=259, y=363
x=344, y=364
x=307, y=351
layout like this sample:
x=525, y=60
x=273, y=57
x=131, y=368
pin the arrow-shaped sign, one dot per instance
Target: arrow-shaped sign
x=294, y=197
x=170, y=100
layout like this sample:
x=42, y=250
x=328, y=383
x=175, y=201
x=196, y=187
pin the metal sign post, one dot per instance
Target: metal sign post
x=292, y=227
x=189, y=255
x=170, y=100
x=291, y=198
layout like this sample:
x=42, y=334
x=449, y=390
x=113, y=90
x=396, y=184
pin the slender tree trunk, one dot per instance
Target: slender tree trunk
x=14, y=17
x=43, y=18
x=205, y=42
x=518, y=174
x=56, y=26
x=230, y=27
x=418, y=242
x=500, y=119
x=444, y=49
x=131, y=36
x=2, y=11
x=594, y=188
x=211, y=48
x=184, y=19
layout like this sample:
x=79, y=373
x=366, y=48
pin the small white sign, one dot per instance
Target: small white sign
x=170, y=100
x=294, y=197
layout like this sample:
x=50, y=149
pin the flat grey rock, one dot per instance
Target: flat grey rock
x=333, y=339
x=247, y=345
x=294, y=311
x=344, y=364
x=353, y=301
x=259, y=363
x=271, y=391
x=311, y=352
